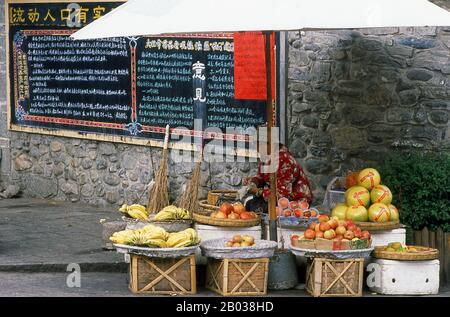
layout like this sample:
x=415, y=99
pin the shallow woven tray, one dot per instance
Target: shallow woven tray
x=330, y=254
x=378, y=226
x=423, y=254
x=216, y=249
x=156, y=252
x=205, y=219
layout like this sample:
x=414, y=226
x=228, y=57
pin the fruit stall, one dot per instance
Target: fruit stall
x=335, y=244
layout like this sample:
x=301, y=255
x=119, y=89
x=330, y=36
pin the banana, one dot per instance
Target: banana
x=124, y=209
x=137, y=214
x=138, y=207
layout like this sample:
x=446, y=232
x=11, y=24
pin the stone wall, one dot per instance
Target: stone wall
x=353, y=96
x=4, y=134
x=104, y=173
x=356, y=95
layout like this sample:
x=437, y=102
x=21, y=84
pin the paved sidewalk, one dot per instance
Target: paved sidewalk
x=45, y=236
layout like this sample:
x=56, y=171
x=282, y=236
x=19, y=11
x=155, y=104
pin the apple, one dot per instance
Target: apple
x=236, y=245
x=365, y=235
x=340, y=230
x=339, y=237
x=226, y=208
x=245, y=244
x=352, y=228
x=345, y=239
x=229, y=244
x=319, y=234
x=298, y=213
x=317, y=228
x=238, y=208
x=312, y=226
x=349, y=235
x=313, y=213
x=249, y=239
x=233, y=215
x=221, y=215
x=287, y=213
x=294, y=239
x=324, y=226
x=349, y=223
x=310, y=234
x=237, y=238
x=342, y=223
x=293, y=205
x=329, y=234
x=323, y=218
x=307, y=214
x=334, y=223
x=357, y=233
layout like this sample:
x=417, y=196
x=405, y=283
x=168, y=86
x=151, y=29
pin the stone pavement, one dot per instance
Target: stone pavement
x=100, y=284
x=40, y=236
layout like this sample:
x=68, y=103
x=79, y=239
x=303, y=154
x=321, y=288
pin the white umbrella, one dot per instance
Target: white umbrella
x=150, y=17
x=154, y=17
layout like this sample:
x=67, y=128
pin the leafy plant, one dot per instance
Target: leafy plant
x=420, y=183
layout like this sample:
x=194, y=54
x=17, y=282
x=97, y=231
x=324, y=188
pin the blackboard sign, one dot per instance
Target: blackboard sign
x=121, y=89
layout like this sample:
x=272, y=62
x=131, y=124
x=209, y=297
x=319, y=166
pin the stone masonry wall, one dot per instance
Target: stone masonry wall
x=353, y=96
x=356, y=95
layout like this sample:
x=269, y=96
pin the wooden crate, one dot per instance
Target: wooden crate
x=237, y=277
x=439, y=240
x=163, y=275
x=335, y=278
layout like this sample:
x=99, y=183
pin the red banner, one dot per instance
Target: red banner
x=250, y=77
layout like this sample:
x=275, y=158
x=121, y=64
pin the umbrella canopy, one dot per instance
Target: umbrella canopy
x=152, y=17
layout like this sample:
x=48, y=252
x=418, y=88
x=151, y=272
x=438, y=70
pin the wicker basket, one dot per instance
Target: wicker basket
x=215, y=195
x=378, y=226
x=205, y=206
x=204, y=218
x=423, y=254
x=335, y=278
x=238, y=277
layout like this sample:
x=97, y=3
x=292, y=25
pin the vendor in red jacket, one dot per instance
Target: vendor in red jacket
x=292, y=183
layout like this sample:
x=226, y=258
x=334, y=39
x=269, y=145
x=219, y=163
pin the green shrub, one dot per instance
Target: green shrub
x=420, y=183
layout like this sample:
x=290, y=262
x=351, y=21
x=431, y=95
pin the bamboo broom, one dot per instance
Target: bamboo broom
x=159, y=193
x=189, y=198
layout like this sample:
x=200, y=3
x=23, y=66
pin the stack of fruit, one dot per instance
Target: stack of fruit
x=233, y=211
x=172, y=213
x=134, y=211
x=333, y=230
x=298, y=209
x=240, y=241
x=398, y=247
x=366, y=200
x=156, y=237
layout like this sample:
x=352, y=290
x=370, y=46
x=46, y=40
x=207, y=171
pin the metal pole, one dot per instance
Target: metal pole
x=270, y=122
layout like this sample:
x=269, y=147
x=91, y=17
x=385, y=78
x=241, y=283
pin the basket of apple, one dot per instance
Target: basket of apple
x=226, y=215
x=238, y=247
x=292, y=213
x=332, y=234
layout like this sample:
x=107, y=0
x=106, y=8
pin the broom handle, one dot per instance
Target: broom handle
x=166, y=138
